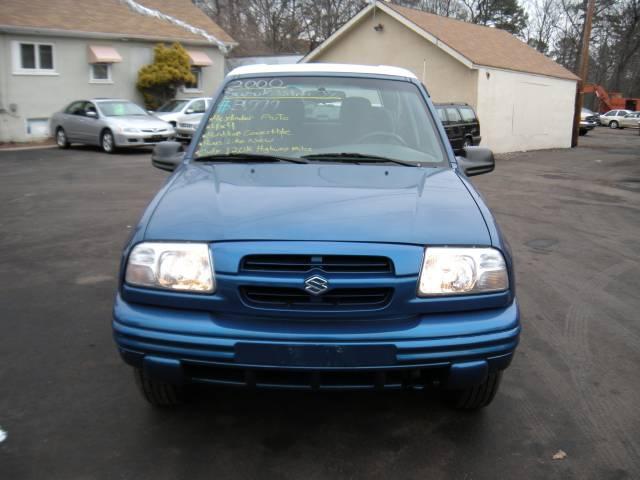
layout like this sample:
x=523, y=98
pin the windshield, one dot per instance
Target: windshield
x=120, y=109
x=302, y=116
x=172, y=106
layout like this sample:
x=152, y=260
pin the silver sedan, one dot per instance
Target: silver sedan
x=108, y=123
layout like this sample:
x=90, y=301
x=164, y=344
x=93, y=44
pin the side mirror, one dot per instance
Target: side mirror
x=189, y=111
x=167, y=155
x=476, y=161
x=91, y=114
x=151, y=112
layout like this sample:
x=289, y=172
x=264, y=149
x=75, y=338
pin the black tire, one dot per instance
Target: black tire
x=613, y=124
x=61, y=138
x=158, y=394
x=583, y=132
x=107, y=142
x=476, y=397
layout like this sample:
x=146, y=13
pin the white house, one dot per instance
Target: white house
x=55, y=51
x=524, y=100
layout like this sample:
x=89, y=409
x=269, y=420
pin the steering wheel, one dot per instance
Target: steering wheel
x=399, y=140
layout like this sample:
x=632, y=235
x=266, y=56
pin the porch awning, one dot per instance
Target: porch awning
x=103, y=54
x=199, y=59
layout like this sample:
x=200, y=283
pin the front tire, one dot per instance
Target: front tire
x=61, y=138
x=477, y=397
x=613, y=124
x=158, y=394
x=107, y=142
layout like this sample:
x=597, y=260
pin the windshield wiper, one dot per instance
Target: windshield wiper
x=353, y=157
x=247, y=157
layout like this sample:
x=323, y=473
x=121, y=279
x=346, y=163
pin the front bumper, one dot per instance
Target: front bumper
x=184, y=134
x=453, y=349
x=143, y=139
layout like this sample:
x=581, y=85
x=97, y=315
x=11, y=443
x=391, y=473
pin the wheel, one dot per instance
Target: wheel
x=467, y=142
x=61, y=138
x=107, y=142
x=158, y=394
x=613, y=124
x=476, y=397
x=583, y=132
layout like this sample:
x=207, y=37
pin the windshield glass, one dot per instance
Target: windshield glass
x=301, y=116
x=120, y=109
x=172, y=106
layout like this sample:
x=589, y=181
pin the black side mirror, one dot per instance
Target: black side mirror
x=167, y=155
x=476, y=161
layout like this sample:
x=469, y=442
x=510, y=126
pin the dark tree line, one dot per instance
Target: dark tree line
x=554, y=27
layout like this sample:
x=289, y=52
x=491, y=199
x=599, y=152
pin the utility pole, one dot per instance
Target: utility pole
x=583, y=70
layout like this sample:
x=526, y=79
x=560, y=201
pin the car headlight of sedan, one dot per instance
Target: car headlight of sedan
x=458, y=271
x=172, y=266
x=129, y=130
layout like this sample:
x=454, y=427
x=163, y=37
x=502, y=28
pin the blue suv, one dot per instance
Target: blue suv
x=318, y=234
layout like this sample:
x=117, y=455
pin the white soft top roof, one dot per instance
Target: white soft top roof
x=322, y=68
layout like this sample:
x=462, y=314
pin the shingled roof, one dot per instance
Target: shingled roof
x=115, y=17
x=491, y=47
x=477, y=45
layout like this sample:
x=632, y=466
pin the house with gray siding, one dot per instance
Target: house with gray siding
x=55, y=51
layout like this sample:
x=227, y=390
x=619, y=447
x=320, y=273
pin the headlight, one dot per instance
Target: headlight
x=130, y=130
x=455, y=271
x=172, y=266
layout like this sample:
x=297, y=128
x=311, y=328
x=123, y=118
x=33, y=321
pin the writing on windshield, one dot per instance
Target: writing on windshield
x=308, y=115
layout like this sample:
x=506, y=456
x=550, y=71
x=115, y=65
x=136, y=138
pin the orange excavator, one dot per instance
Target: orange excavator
x=611, y=100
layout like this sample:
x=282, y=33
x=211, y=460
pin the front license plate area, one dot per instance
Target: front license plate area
x=156, y=138
x=315, y=355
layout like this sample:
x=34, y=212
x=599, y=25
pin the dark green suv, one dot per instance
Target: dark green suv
x=461, y=124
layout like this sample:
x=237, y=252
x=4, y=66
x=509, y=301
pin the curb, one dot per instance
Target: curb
x=17, y=149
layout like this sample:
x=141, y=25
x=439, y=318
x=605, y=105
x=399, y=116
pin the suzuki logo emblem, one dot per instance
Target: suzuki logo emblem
x=316, y=285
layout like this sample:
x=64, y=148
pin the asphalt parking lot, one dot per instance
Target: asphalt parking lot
x=70, y=409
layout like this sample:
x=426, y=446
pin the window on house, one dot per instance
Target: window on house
x=197, y=85
x=33, y=58
x=46, y=57
x=100, y=72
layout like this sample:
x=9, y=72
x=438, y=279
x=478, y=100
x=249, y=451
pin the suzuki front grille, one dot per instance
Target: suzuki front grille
x=325, y=263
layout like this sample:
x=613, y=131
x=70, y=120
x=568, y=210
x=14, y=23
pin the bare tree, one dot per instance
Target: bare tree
x=544, y=17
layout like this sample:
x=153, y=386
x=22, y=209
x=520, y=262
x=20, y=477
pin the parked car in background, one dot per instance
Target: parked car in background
x=587, y=121
x=177, y=108
x=630, y=120
x=591, y=113
x=108, y=123
x=299, y=252
x=461, y=124
x=187, y=125
x=612, y=118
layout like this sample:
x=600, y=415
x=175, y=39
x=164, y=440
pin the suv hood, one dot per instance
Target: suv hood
x=321, y=202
